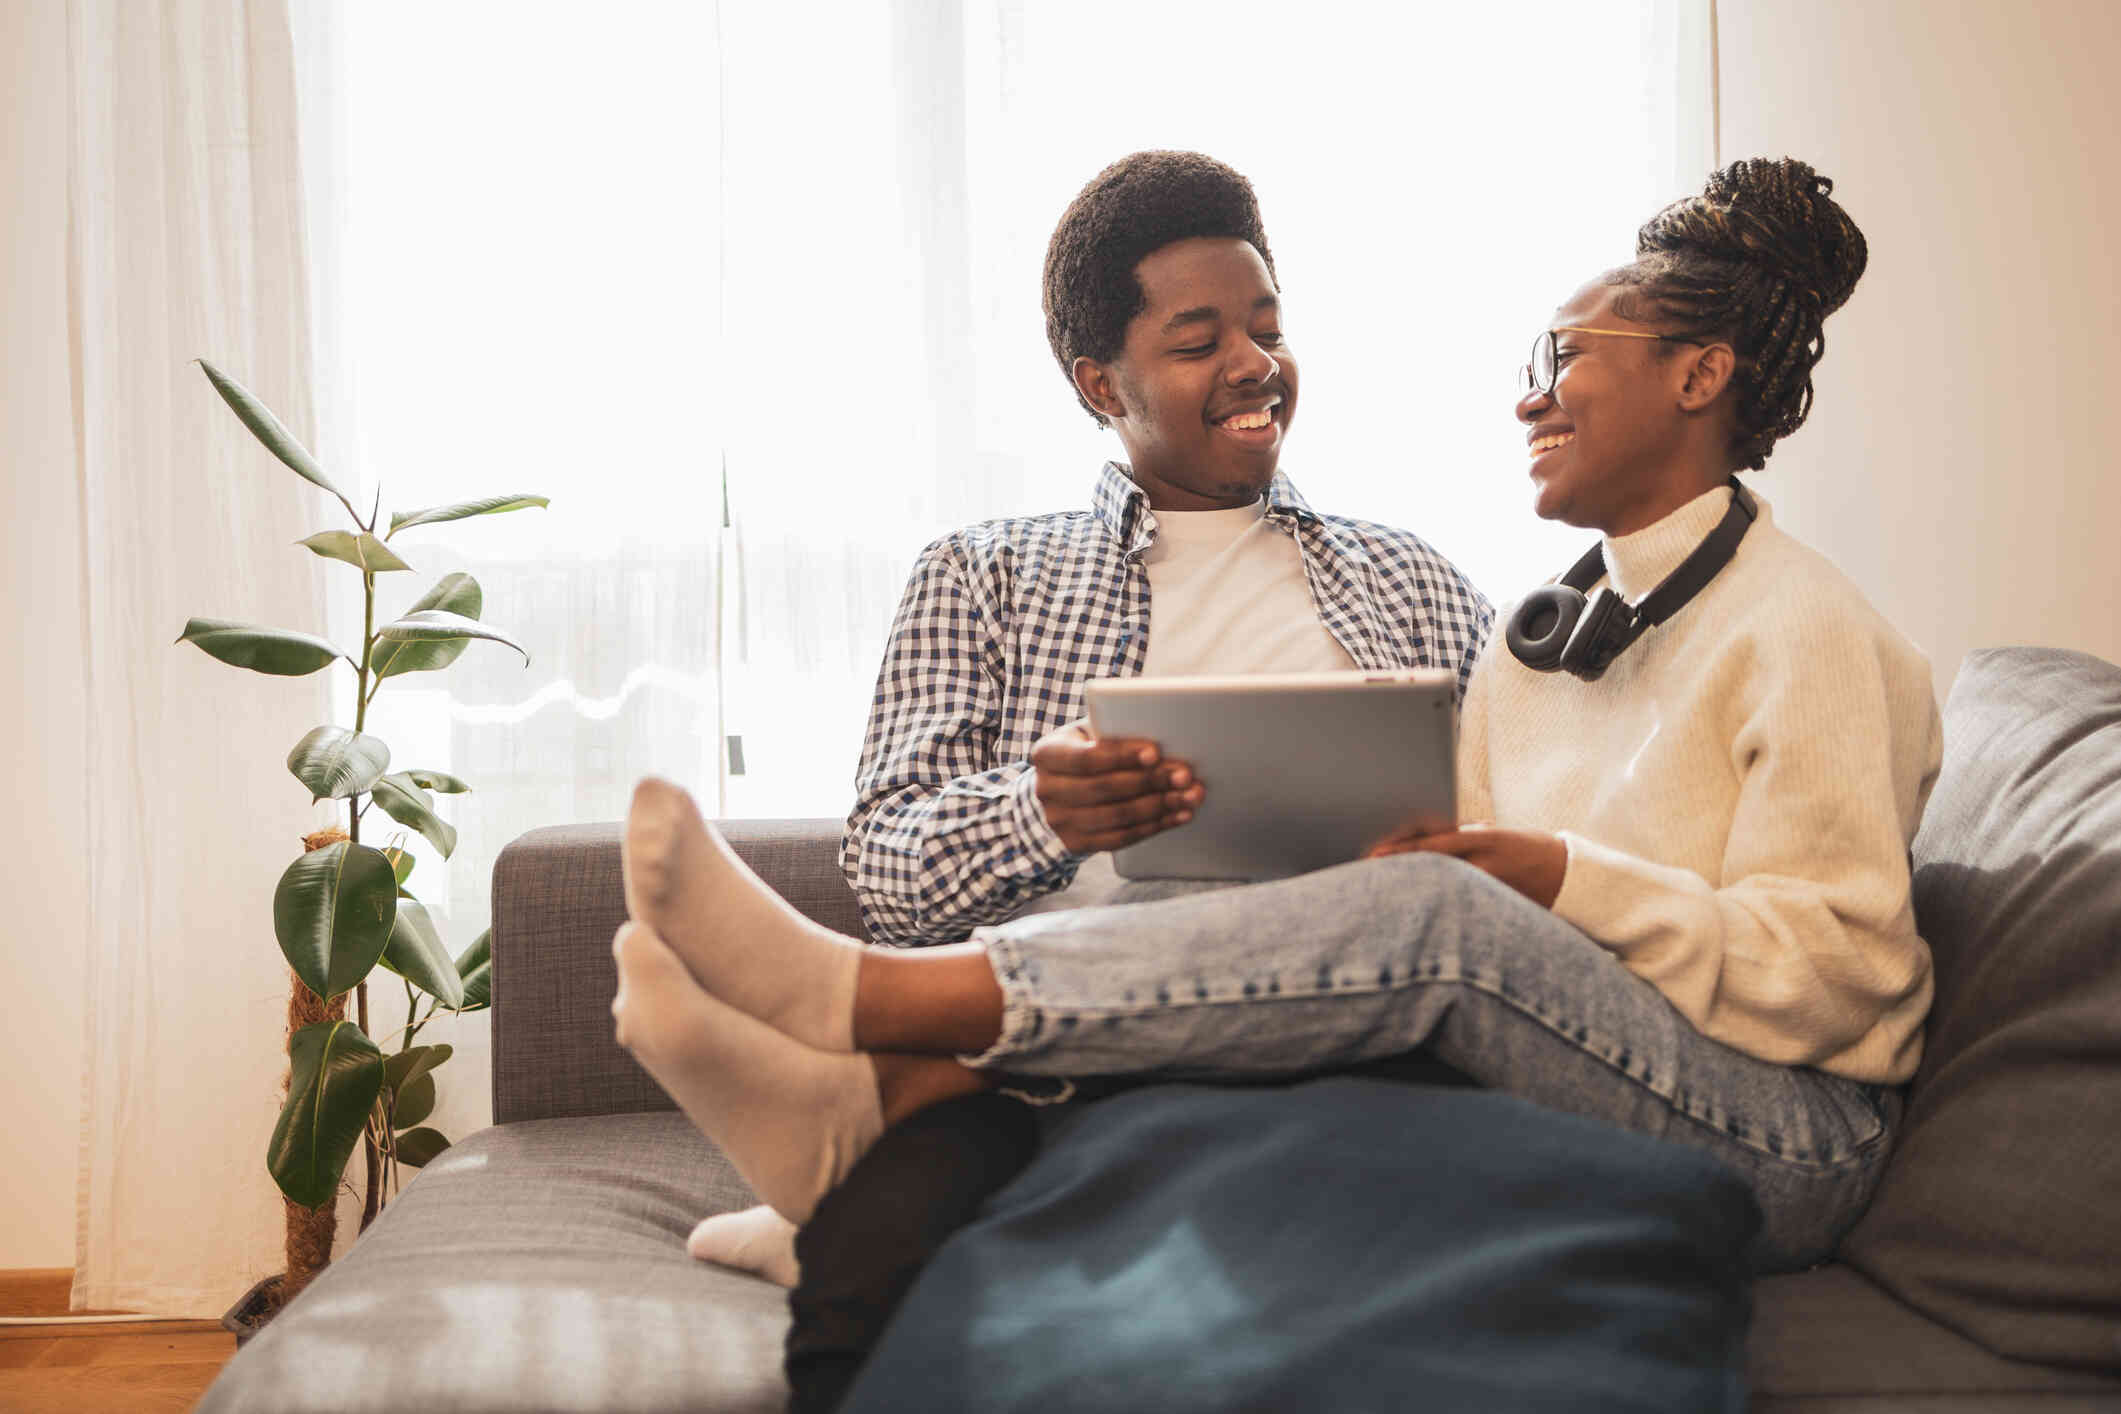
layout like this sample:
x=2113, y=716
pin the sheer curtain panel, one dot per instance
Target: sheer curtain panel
x=514, y=234
x=184, y=240
x=1435, y=180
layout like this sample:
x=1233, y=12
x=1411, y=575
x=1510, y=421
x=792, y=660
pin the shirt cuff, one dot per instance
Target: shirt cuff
x=1044, y=852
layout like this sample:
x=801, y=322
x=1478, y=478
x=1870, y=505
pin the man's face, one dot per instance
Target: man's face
x=1204, y=387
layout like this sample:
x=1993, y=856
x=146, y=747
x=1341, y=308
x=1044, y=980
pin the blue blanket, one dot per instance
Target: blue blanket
x=1336, y=1244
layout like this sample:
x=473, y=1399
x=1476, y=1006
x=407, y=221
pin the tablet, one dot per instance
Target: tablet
x=1302, y=770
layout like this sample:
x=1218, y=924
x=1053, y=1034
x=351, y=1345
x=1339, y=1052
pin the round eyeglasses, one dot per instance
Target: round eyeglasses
x=1538, y=376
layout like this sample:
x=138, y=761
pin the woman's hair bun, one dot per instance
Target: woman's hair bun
x=1776, y=214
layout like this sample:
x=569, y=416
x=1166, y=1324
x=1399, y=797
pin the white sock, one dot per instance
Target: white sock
x=756, y=1240
x=740, y=939
x=792, y=1119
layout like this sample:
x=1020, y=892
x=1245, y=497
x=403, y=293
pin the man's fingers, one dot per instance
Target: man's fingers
x=1082, y=792
x=1122, y=815
x=1134, y=834
x=1069, y=755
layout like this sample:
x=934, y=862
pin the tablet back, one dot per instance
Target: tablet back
x=1302, y=771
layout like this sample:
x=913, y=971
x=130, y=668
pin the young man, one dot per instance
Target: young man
x=980, y=794
x=975, y=794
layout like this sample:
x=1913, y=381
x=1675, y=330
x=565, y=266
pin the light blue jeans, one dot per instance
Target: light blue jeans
x=1204, y=981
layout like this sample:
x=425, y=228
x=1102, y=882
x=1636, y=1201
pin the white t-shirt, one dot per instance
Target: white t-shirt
x=1227, y=595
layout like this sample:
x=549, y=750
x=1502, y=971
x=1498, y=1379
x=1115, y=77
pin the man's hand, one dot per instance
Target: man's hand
x=1101, y=795
x=1532, y=862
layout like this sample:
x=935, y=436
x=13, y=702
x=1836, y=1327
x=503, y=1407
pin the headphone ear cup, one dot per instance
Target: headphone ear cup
x=1540, y=629
x=1588, y=652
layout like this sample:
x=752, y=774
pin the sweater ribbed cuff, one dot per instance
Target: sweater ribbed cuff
x=1606, y=892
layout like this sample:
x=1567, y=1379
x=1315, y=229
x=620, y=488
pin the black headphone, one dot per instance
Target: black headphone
x=1555, y=629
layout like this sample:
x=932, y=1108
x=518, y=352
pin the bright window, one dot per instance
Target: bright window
x=600, y=258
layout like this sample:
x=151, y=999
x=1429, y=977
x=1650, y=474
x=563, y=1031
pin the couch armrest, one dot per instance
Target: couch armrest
x=557, y=899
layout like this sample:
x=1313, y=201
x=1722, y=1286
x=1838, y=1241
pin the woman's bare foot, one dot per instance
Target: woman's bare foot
x=741, y=941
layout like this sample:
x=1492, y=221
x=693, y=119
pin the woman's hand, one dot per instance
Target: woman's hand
x=1532, y=862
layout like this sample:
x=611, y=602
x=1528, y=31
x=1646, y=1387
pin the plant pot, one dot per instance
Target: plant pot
x=253, y=1309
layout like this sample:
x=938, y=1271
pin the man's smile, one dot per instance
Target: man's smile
x=1255, y=426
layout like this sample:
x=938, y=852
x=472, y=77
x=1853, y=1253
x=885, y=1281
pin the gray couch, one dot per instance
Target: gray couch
x=539, y=1265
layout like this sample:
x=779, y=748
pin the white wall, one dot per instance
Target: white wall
x=1961, y=462
x=43, y=838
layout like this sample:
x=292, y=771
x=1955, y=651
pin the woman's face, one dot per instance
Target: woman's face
x=1607, y=445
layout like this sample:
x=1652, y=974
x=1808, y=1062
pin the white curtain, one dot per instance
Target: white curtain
x=514, y=234
x=1435, y=180
x=184, y=241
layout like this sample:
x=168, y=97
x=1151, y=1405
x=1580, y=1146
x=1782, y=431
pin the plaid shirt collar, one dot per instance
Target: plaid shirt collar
x=1123, y=507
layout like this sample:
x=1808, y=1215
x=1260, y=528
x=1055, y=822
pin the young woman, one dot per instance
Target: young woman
x=1687, y=910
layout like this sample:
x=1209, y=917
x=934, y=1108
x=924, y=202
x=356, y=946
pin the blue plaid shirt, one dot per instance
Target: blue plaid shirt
x=1001, y=625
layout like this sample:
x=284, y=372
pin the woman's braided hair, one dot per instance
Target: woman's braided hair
x=1129, y=211
x=1760, y=259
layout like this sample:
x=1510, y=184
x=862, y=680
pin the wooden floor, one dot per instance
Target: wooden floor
x=124, y=1367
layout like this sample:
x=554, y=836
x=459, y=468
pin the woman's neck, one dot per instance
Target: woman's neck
x=1662, y=496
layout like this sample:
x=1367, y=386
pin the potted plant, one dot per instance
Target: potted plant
x=343, y=907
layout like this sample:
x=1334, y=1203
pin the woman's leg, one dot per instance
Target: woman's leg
x=1339, y=967
x=1327, y=970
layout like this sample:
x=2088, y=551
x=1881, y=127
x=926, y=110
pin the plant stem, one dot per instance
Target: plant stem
x=368, y=647
x=412, y=1010
x=371, y=1200
x=368, y=626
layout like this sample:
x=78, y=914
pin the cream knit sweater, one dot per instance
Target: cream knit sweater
x=1737, y=794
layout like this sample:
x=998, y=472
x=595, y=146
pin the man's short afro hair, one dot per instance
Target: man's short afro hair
x=1132, y=209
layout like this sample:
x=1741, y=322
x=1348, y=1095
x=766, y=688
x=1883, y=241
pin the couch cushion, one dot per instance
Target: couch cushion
x=2000, y=1214
x=557, y=899
x=1337, y=1244
x=1829, y=1340
x=534, y=1266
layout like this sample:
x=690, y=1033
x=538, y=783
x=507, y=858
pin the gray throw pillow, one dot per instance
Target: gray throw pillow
x=2000, y=1214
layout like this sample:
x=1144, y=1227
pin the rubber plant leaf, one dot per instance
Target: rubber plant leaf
x=415, y=952
x=333, y=912
x=335, y=1075
x=475, y=966
x=407, y=1066
x=454, y=594
x=357, y=548
x=405, y=802
x=281, y=652
x=270, y=431
x=414, y=1102
x=436, y=626
x=335, y=763
x=484, y=506
x=418, y=1147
